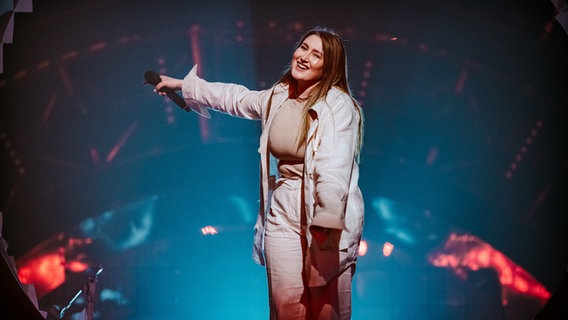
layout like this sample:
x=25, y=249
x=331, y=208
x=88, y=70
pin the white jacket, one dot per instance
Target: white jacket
x=332, y=197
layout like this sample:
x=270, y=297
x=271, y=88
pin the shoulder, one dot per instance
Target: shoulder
x=278, y=93
x=337, y=98
x=339, y=108
x=280, y=87
x=337, y=101
x=336, y=93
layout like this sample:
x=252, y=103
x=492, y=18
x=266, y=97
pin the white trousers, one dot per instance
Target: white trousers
x=285, y=249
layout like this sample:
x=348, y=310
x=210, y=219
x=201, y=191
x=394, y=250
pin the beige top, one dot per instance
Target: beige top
x=283, y=139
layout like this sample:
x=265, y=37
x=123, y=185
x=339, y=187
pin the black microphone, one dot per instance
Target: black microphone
x=153, y=79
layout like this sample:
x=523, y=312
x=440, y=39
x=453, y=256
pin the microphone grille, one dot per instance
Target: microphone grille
x=152, y=77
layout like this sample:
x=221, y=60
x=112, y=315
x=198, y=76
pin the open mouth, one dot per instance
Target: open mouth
x=302, y=66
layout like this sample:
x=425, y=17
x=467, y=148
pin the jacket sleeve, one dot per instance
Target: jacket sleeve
x=334, y=160
x=229, y=98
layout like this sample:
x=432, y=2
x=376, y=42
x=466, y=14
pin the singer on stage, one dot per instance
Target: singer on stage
x=311, y=209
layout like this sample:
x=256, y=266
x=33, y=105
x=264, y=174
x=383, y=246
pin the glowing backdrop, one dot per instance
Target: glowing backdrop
x=463, y=171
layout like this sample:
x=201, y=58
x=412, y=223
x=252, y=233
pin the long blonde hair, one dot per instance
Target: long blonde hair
x=334, y=74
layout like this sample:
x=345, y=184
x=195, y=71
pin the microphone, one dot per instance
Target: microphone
x=153, y=78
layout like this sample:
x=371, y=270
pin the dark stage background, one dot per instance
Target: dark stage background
x=466, y=141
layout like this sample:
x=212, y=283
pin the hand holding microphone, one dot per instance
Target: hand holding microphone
x=166, y=89
x=167, y=86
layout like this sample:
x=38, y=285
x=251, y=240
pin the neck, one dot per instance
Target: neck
x=302, y=91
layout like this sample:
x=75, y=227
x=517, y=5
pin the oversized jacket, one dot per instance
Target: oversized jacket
x=332, y=198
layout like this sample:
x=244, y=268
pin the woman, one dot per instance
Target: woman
x=311, y=209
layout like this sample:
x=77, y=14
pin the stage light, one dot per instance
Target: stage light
x=387, y=249
x=464, y=252
x=209, y=230
x=363, y=248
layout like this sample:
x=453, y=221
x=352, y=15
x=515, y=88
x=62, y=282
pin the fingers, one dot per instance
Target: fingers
x=160, y=86
x=167, y=82
x=157, y=90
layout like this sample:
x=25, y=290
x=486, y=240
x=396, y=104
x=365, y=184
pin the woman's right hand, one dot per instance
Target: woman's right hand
x=168, y=82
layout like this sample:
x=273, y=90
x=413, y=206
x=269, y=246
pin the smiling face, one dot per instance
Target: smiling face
x=307, y=62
